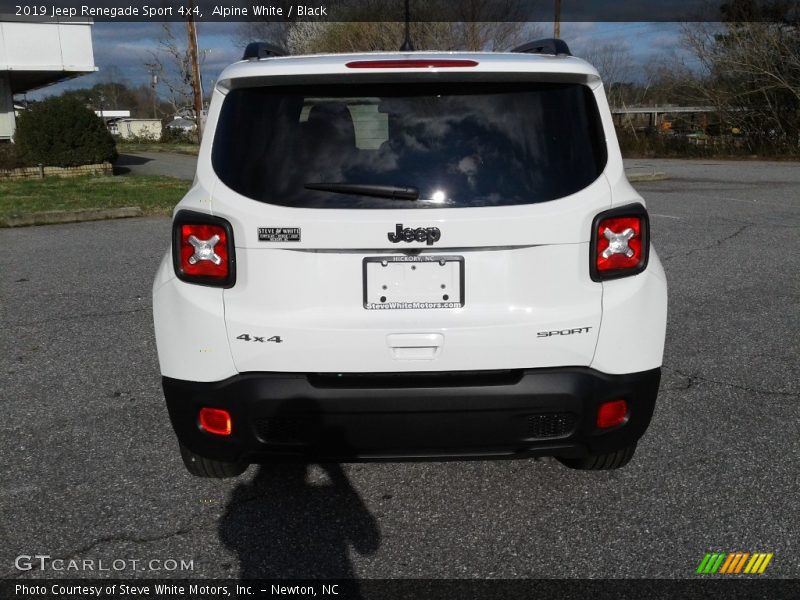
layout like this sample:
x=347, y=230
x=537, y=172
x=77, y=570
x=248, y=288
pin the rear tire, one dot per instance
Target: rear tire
x=601, y=462
x=201, y=466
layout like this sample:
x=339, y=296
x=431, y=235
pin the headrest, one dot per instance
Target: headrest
x=331, y=122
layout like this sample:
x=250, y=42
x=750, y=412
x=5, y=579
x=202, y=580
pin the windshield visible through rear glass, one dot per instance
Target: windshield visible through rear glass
x=410, y=145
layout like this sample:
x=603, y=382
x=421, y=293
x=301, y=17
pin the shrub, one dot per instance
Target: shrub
x=9, y=157
x=173, y=135
x=61, y=132
x=651, y=144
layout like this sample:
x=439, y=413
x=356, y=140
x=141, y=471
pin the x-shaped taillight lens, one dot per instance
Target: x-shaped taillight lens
x=203, y=249
x=620, y=243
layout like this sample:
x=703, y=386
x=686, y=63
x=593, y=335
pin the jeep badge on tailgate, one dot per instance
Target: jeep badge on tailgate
x=420, y=234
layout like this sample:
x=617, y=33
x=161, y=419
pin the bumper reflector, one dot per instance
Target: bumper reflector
x=611, y=414
x=216, y=421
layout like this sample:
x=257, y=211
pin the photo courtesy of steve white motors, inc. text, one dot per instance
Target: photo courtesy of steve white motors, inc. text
x=172, y=590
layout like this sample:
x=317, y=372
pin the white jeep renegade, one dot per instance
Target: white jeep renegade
x=409, y=255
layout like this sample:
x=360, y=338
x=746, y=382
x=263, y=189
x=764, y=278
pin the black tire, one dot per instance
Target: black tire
x=206, y=467
x=601, y=462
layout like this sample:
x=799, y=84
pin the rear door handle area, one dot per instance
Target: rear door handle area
x=415, y=346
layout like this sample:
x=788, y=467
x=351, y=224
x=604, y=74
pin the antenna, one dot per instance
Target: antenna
x=407, y=45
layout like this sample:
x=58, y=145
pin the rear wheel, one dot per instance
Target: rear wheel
x=201, y=466
x=601, y=462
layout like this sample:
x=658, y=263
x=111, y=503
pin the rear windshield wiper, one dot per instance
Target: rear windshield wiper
x=395, y=192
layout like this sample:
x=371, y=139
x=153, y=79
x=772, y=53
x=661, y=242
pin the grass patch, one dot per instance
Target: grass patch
x=128, y=147
x=154, y=195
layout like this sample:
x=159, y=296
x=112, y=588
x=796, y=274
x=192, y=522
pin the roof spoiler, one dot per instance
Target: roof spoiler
x=256, y=50
x=545, y=46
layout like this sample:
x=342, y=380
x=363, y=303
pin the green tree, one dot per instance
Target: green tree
x=60, y=131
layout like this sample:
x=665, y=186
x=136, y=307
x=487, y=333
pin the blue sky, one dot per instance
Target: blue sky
x=122, y=49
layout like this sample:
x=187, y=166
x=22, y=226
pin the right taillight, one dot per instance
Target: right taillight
x=216, y=421
x=202, y=249
x=620, y=242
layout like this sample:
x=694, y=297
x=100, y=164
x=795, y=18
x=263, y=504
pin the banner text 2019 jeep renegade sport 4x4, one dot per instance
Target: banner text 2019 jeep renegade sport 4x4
x=409, y=256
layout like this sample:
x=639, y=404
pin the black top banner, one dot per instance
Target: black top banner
x=394, y=10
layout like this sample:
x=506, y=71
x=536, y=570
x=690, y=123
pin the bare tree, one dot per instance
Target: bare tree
x=668, y=81
x=310, y=37
x=113, y=84
x=751, y=75
x=313, y=37
x=467, y=25
x=612, y=61
x=476, y=27
x=172, y=61
x=615, y=65
x=262, y=31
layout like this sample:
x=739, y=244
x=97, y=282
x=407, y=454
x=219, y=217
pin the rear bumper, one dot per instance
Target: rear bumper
x=408, y=416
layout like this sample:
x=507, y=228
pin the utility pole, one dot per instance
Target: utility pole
x=154, y=71
x=557, y=20
x=197, y=86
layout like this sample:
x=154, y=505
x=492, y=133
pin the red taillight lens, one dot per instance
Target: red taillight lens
x=202, y=249
x=216, y=421
x=620, y=243
x=411, y=63
x=611, y=414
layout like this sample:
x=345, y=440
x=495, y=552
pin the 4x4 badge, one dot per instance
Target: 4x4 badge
x=429, y=235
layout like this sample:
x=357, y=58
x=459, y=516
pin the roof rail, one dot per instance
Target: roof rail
x=544, y=46
x=256, y=50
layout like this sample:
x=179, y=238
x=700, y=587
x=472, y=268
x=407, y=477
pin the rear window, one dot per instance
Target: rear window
x=452, y=144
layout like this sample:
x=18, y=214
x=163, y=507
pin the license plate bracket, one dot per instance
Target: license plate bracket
x=413, y=282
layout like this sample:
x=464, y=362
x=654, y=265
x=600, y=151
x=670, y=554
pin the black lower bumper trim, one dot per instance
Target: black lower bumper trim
x=411, y=416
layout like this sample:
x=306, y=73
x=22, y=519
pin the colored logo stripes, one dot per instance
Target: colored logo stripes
x=734, y=562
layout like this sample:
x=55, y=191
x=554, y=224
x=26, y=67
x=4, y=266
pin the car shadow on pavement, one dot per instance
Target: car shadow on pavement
x=297, y=521
x=125, y=161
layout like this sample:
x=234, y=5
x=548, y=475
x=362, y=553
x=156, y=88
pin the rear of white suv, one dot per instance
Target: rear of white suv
x=409, y=256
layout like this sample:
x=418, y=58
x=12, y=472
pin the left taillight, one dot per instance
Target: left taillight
x=620, y=242
x=202, y=249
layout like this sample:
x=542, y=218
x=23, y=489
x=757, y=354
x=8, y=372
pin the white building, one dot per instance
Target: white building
x=36, y=54
x=144, y=129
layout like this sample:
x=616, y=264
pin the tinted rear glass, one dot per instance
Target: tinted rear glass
x=459, y=144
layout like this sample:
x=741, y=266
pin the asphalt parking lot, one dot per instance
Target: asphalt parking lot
x=91, y=469
x=181, y=166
